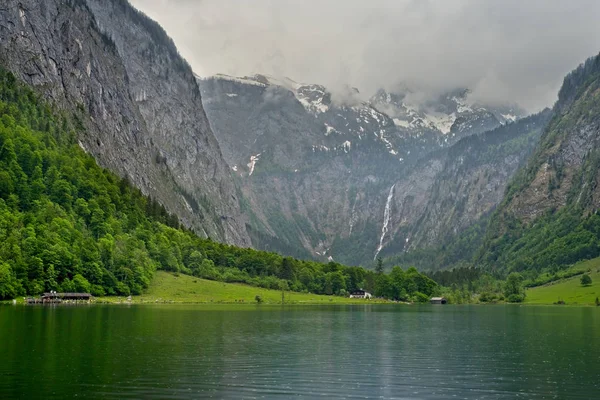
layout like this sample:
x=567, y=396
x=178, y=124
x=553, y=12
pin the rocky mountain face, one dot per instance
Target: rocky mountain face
x=324, y=176
x=452, y=189
x=293, y=167
x=560, y=173
x=309, y=170
x=548, y=219
x=444, y=120
x=135, y=99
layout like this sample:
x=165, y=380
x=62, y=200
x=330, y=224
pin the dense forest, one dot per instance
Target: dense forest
x=68, y=225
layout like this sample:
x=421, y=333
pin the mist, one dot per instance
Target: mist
x=508, y=51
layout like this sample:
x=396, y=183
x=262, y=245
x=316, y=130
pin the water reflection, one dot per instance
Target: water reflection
x=396, y=352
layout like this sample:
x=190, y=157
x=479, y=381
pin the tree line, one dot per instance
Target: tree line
x=68, y=225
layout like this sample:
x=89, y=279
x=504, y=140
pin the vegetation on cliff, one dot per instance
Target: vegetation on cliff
x=67, y=224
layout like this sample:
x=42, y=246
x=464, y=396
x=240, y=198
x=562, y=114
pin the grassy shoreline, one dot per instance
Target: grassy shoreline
x=568, y=290
x=167, y=288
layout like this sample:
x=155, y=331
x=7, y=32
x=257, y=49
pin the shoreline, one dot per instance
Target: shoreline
x=115, y=301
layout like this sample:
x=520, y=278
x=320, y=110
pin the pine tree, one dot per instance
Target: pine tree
x=379, y=266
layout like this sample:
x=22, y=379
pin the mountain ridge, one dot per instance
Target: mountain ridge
x=549, y=216
x=78, y=54
x=317, y=174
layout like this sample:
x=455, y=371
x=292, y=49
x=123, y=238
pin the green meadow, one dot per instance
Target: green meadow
x=570, y=289
x=179, y=288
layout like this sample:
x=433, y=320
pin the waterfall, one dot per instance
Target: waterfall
x=387, y=213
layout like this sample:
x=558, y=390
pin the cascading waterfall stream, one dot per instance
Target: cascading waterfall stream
x=387, y=213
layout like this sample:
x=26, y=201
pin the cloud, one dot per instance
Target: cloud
x=505, y=51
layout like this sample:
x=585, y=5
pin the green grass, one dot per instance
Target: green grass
x=569, y=290
x=167, y=287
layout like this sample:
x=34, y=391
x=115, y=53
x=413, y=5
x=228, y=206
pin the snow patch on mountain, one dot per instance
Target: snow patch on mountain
x=252, y=163
x=402, y=123
x=82, y=146
x=347, y=145
x=320, y=147
x=329, y=130
x=314, y=98
x=243, y=80
x=394, y=122
x=387, y=143
x=461, y=105
x=509, y=117
x=441, y=122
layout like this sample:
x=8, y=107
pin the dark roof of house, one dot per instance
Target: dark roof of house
x=82, y=295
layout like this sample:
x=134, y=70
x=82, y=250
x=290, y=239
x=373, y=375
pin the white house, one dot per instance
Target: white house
x=360, y=294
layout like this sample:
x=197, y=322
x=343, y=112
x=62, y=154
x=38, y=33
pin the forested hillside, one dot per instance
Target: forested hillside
x=136, y=97
x=67, y=224
x=549, y=218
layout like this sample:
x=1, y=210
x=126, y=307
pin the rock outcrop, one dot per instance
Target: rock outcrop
x=452, y=189
x=136, y=101
x=564, y=171
x=348, y=179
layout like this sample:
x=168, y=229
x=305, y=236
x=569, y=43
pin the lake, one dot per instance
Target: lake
x=255, y=352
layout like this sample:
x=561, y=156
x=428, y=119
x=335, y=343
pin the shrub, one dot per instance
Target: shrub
x=136, y=289
x=123, y=289
x=487, y=297
x=421, y=297
x=9, y=286
x=67, y=286
x=516, y=298
x=586, y=280
x=81, y=284
x=97, y=291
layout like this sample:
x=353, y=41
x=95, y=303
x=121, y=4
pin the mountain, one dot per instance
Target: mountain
x=68, y=225
x=139, y=107
x=329, y=175
x=445, y=120
x=437, y=214
x=308, y=169
x=548, y=219
x=298, y=168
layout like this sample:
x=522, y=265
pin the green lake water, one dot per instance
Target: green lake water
x=328, y=352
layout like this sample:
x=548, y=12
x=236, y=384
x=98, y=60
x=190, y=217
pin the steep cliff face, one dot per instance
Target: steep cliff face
x=554, y=176
x=312, y=172
x=139, y=109
x=549, y=218
x=454, y=188
x=352, y=180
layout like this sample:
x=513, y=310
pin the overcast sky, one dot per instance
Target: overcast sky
x=504, y=50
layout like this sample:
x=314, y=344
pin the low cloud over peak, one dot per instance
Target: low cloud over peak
x=505, y=51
